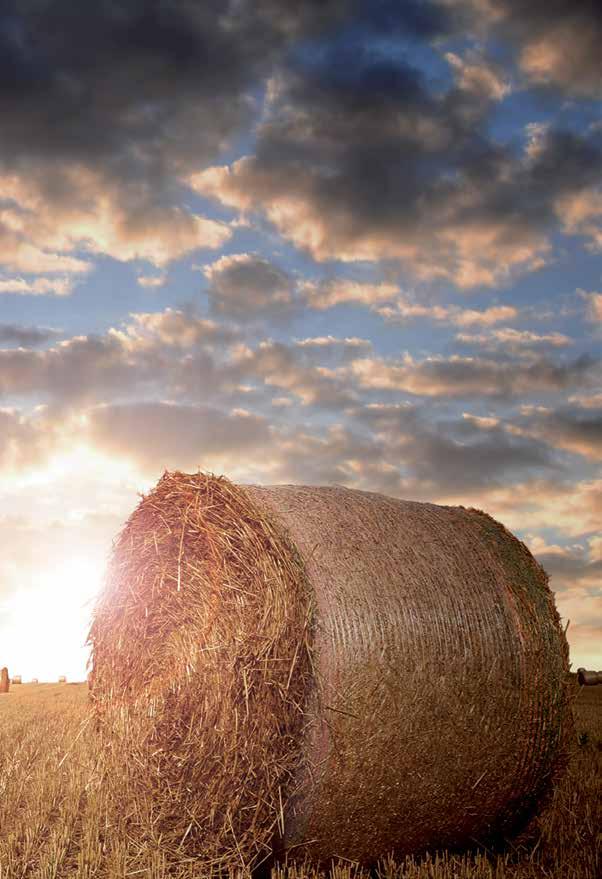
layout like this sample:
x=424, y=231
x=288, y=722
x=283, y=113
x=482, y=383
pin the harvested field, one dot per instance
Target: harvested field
x=326, y=673
x=64, y=811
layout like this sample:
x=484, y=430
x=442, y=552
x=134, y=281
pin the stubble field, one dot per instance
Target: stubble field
x=65, y=808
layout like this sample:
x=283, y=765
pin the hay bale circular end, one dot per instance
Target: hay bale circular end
x=327, y=672
x=587, y=678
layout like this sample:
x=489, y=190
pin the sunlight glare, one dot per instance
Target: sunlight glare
x=49, y=621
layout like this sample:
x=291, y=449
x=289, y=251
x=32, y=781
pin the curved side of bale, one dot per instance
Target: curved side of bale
x=201, y=663
x=441, y=715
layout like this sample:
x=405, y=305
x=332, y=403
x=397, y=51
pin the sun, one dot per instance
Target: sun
x=48, y=621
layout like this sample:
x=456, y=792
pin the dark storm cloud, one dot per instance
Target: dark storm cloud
x=244, y=286
x=569, y=427
x=557, y=41
x=149, y=85
x=106, y=105
x=140, y=83
x=570, y=568
x=457, y=454
x=358, y=158
x=26, y=337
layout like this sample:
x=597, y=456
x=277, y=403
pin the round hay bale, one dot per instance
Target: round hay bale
x=327, y=672
x=4, y=680
x=62, y=679
x=16, y=679
x=587, y=678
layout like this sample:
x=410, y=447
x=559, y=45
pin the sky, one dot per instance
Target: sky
x=334, y=242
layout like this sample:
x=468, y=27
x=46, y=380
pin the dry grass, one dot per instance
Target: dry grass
x=64, y=812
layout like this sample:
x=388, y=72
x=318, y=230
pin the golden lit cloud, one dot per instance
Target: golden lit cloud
x=557, y=58
x=581, y=214
x=474, y=74
x=482, y=253
x=340, y=291
x=40, y=286
x=96, y=216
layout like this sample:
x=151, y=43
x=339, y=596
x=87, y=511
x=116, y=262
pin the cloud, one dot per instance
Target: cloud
x=328, y=294
x=473, y=376
x=186, y=437
x=95, y=215
x=322, y=342
x=463, y=454
x=479, y=77
x=39, y=286
x=358, y=159
x=571, y=567
x=26, y=337
x=335, y=455
x=243, y=285
x=563, y=50
x=404, y=310
x=151, y=281
x=172, y=352
x=514, y=341
x=576, y=429
x=95, y=140
x=178, y=355
x=581, y=214
x=334, y=348
x=170, y=328
x=539, y=503
x=556, y=45
x=295, y=370
x=23, y=442
x=83, y=367
x=588, y=401
x=594, y=306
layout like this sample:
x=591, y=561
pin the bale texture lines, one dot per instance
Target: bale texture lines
x=327, y=672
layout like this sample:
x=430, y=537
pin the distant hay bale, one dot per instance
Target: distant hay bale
x=62, y=679
x=16, y=679
x=327, y=672
x=587, y=678
x=34, y=681
x=4, y=680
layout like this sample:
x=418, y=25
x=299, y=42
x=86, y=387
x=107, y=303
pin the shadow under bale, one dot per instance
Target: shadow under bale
x=321, y=672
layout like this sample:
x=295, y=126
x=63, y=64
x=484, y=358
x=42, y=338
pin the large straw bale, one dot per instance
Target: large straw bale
x=4, y=680
x=328, y=672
